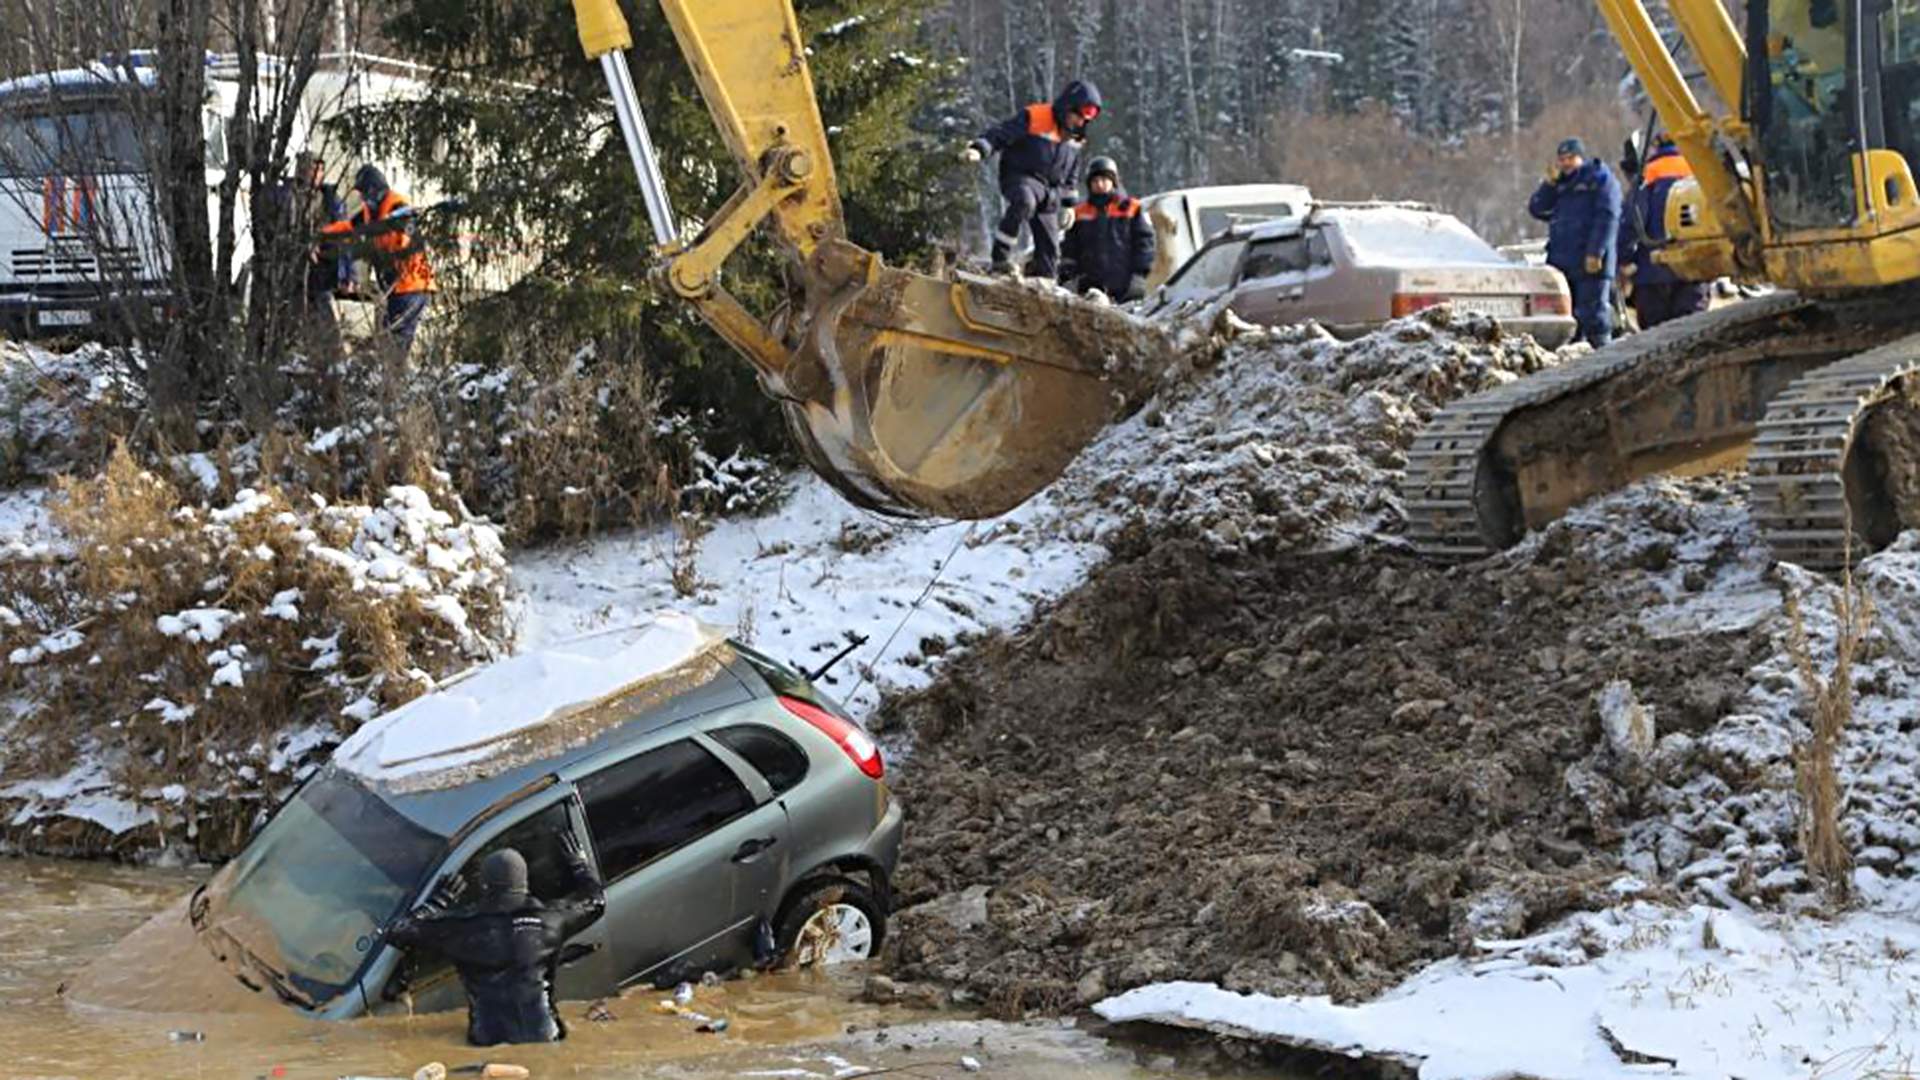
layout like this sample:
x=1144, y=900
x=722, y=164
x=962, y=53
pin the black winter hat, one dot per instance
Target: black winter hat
x=1104, y=166
x=503, y=879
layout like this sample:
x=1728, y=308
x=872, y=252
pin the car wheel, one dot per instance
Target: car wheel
x=830, y=921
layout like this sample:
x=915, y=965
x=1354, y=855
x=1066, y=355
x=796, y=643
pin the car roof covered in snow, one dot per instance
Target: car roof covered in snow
x=95, y=78
x=446, y=756
x=1392, y=234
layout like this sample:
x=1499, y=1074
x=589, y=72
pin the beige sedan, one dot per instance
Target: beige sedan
x=1351, y=268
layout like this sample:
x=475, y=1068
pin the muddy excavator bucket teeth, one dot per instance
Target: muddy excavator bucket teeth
x=961, y=398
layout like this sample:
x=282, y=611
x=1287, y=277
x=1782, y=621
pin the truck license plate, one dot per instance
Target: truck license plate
x=1500, y=307
x=65, y=317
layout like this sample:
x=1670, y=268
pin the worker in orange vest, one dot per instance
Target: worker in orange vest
x=398, y=256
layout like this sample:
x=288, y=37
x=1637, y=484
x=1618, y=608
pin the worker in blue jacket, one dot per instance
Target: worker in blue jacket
x=1660, y=294
x=1580, y=201
x=1110, y=246
x=1039, y=149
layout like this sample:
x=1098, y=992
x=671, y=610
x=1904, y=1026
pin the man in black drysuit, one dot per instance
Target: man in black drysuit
x=1039, y=149
x=1110, y=246
x=506, y=945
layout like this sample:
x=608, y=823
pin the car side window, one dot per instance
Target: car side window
x=648, y=805
x=1271, y=258
x=776, y=757
x=537, y=839
x=1319, y=250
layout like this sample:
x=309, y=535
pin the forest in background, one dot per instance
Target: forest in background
x=1454, y=102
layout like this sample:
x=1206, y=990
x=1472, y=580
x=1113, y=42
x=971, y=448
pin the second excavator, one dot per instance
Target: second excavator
x=1804, y=180
x=916, y=395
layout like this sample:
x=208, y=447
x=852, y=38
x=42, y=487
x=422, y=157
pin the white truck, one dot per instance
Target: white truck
x=1184, y=220
x=81, y=241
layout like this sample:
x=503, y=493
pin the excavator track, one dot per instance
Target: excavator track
x=1819, y=493
x=1493, y=465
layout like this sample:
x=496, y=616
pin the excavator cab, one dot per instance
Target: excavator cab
x=1804, y=181
x=915, y=395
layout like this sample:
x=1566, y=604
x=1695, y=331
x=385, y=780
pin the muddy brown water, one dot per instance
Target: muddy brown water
x=58, y=916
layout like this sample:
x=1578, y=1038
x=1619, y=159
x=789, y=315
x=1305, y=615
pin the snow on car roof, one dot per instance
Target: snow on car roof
x=1399, y=236
x=1386, y=234
x=92, y=77
x=506, y=705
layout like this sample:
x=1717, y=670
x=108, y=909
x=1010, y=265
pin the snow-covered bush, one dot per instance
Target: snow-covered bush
x=200, y=653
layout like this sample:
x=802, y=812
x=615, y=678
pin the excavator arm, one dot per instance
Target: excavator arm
x=914, y=395
x=1701, y=136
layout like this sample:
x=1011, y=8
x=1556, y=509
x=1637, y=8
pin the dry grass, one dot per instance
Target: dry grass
x=176, y=642
x=1830, y=705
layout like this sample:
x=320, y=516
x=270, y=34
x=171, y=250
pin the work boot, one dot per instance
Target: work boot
x=1002, y=268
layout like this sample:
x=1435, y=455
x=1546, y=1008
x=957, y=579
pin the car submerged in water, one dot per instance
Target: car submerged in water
x=722, y=798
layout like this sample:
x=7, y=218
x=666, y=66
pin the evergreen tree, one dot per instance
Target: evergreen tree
x=519, y=127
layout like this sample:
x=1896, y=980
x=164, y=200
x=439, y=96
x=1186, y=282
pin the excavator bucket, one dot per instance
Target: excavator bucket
x=962, y=397
x=951, y=396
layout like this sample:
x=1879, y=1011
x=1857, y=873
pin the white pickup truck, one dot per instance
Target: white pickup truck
x=81, y=243
x=1184, y=220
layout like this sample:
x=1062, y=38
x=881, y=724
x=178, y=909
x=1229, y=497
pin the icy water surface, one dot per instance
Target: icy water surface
x=56, y=916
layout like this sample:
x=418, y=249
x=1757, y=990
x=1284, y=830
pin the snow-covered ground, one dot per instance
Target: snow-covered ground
x=1694, y=993
x=795, y=583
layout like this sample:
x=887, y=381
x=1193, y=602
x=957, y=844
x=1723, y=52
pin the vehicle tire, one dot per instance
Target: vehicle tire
x=830, y=920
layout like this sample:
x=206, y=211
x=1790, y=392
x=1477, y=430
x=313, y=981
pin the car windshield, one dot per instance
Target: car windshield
x=304, y=897
x=1207, y=273
x=78, y=140
x=1393, y=237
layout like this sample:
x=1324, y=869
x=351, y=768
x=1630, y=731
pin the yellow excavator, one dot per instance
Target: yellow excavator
x=1804, y=179
x=916, y=395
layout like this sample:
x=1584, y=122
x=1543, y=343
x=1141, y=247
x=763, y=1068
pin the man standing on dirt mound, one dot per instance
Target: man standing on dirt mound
x=1580, y=202
x=1039, y=149
x=1110, y=246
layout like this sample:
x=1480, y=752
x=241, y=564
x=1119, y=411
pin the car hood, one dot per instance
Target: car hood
x=165, y=952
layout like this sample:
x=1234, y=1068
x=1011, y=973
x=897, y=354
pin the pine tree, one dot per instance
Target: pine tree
x=519, y=127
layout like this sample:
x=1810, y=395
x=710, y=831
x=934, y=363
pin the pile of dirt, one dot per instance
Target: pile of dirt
x=1264, y=747
x=1280, y=773
x=1268, y=439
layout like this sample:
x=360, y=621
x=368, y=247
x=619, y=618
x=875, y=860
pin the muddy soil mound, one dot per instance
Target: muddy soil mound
x=1280, y=772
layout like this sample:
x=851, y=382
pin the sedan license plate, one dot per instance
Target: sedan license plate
x=1500, y=307
x=65, y=318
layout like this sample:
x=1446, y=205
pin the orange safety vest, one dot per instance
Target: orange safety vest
x=411, y=273
x=1670, y=167
x=1041, y=122
x=1128, y=207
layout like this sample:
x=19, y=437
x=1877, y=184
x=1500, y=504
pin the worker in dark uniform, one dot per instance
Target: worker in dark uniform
x=1660, y=294
x=507, y=944
x=1110, y=246
x=1039, y=150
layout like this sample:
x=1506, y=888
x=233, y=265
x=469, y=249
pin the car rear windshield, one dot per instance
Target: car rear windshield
x=1393, y=237
x=306, y=895
x=1218, y=219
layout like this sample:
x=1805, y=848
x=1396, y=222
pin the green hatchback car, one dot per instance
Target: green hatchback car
x=729, y=806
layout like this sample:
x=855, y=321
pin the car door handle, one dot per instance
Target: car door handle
x=749, y=849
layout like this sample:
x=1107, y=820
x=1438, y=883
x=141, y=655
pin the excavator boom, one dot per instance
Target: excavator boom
x=919, y=396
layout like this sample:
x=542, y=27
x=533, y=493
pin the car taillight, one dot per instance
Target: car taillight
x=1550, y=303
x=858, y=744
x=1408, y=303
